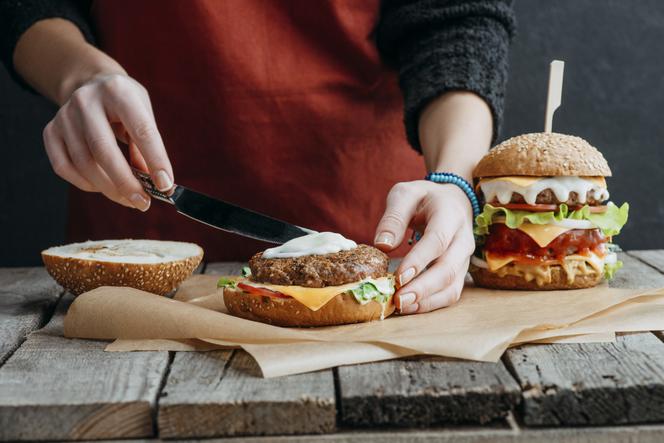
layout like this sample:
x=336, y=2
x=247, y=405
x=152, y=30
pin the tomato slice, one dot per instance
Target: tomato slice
x=260, y=291
x=527, y=207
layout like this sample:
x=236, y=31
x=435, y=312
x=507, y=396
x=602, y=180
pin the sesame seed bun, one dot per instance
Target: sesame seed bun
x=150, y=265
x=543, y=154
x=487, y=279
x=342, y=309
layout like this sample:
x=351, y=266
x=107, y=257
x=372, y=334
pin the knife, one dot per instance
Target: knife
x=222, y=215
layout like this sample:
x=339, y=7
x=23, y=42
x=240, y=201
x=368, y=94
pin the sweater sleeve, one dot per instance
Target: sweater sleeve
x=16, y=16
x=445, y=45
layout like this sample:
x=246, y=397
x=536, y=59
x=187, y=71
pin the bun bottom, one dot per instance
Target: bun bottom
x=487, y=279
x=341, y=310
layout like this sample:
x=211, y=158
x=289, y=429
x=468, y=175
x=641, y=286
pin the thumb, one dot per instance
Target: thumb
x=401, y=206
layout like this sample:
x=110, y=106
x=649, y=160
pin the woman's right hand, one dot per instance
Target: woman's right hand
x=81, y=141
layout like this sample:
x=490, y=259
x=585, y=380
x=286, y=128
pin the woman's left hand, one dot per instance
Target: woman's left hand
x=431, y=276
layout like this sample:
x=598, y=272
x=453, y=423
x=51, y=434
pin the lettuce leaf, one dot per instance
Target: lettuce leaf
x=225, y=282
x=611, y=268
x=368, y=291
x=610, y=221
x=246, y=271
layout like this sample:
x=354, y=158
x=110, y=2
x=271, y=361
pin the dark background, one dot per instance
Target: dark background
x=613, y=96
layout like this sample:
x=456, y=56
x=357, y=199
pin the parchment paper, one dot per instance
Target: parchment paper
x=480, y=327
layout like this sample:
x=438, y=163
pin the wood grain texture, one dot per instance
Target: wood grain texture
x=653, y=257
x=633, y=434
x=595, y=383
x=53, y=388
x=27, y=299
x=222, y=393
x=636, y=274
x=424, y=392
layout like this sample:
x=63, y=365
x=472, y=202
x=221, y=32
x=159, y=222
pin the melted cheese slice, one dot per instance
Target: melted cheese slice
x=542, y=234
x=525, y=181
x=316, y=298
x=495, y=262
x=519, y=180
x=573, y=265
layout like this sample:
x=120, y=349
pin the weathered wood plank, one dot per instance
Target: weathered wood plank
x=653, y=257
x=27, y=299
x=465, y=434
x=53, y=388
x=425, y=392
x=632, y=434
x=636, y=274
x=595, y=383
x=222, y=393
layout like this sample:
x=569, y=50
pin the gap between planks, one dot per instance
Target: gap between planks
x=222, y=393
x=594, y=383
x=28, y=297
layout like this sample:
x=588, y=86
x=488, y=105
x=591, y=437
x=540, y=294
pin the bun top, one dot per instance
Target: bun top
x=543, y=154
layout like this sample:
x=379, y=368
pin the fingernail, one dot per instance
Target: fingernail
x=406, y=300
x=410, y=309
x=406, y=276
x=141, y=203
x=385, y=238
x=163, y=180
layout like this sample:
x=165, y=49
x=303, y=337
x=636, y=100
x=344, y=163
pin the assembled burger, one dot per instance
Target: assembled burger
x=545, y=223
x=320, y=279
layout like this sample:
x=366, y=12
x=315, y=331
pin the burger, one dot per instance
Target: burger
x=544, y=224
x=320, y=279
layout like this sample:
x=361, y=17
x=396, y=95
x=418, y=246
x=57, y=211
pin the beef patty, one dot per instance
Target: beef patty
x=547, y=197
x=318, y=271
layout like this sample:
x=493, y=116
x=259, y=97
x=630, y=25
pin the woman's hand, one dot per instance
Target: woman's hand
x=431, y=276
x=82, y=147
x=99, y=104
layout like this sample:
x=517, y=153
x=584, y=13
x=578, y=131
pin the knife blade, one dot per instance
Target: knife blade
x=223, y=215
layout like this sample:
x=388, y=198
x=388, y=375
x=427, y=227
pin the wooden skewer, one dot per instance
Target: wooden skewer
x=555, y=92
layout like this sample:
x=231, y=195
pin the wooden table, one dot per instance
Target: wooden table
x=53, y=388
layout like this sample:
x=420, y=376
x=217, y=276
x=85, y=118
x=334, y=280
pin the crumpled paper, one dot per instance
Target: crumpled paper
x=479, y=327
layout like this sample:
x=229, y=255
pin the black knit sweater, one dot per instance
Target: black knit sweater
x=436, y=45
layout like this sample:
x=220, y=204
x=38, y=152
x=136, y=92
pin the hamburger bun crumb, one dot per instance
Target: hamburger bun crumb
x=542, y=155
x=487, y=279
x=342, y=309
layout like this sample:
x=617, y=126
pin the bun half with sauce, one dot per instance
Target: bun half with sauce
x=318, y=289
x=545, y=222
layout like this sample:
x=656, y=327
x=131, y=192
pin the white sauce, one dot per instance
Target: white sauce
x=562, y=187
x=127, y=251
x=319, y=243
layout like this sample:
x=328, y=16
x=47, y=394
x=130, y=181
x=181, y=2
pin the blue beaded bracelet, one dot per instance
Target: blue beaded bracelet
x=448, y=177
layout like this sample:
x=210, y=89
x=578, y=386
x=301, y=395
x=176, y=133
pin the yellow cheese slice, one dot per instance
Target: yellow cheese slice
x=523, y=180
x=542, y=234
x=494, y=263
x=599, y=181
x=312, y=298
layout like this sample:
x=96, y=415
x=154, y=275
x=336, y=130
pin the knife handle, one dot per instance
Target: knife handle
x=150, y=188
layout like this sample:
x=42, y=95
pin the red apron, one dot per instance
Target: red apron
x=281, y=106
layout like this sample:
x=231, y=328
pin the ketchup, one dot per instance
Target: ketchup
x=503, y=241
